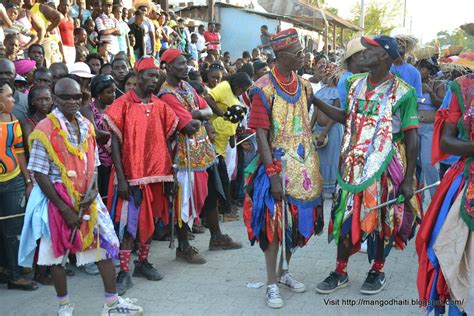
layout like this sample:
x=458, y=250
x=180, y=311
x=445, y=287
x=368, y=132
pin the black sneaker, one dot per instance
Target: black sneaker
x=145, y=269
x=124, y=282
x=332, y=283
x=374, y=283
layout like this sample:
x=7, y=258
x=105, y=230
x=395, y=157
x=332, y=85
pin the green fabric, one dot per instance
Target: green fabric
x=339, y=215
x=408, y=107
x=464, y=215
x=252, y=167
x=457, y=90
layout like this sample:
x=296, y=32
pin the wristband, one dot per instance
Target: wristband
x=273, y=168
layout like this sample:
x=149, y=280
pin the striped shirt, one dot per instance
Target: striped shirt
x=39, y=158
x=103, y=23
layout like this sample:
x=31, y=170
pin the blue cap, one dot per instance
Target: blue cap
x=389, y=44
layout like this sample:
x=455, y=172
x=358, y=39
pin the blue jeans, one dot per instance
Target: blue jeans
x=429, y=173
x=12, y=197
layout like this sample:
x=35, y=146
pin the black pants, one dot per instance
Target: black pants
x=237, y=186
x=213, y=183
x=103, y=177
x=12, y=197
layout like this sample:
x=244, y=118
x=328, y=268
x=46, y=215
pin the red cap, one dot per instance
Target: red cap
x=371, y=41
x=170, y=55
x=146, y=63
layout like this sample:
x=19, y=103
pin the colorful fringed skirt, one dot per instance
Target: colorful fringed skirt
x=445, y=246
x=352, y=218
x=263, y=214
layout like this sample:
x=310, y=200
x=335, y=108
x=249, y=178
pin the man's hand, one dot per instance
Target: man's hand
x=192, y=128
x=196, y=114
x=406, y=189
x=171, y=188
x=88, y=199
x=426, y=88
x=71, y=217
x=123, y=189
x=275, y=187
x=29, y=187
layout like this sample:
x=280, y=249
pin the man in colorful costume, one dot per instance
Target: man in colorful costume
x=279, y=114
x=445, y=242
x=63, y=159
x=141, y=126
x=195, y=158
x=377, y=164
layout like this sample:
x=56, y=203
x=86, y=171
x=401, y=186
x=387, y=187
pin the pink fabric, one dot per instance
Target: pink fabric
x=60, y=232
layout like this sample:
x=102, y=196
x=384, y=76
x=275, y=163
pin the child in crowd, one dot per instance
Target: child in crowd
x=92, y=36
x=80, y=42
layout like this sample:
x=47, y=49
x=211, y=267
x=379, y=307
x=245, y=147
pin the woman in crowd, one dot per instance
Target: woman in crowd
x=13, y=191
x=225, y=95
x=103, y=95
x=130, y=81
x=66, y=30
x=213, y=75
x=328, y=134
x=40, y=103
x=433, y=94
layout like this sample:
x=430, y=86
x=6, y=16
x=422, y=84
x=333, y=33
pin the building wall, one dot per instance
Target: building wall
x=241, y=30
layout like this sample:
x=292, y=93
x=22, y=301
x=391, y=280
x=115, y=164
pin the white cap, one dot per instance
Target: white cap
x=81, y=69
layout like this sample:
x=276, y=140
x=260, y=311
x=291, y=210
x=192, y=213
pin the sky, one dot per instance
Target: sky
x=428, y=16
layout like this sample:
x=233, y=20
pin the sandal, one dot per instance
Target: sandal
x=30, y=286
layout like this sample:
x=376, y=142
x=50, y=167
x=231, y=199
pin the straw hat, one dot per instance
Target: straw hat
x=353, y=47
x=142, y=3
x=425, y=52
x=408, y=42
x=191, y=23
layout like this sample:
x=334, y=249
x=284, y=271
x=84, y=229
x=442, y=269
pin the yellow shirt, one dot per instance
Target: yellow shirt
x=224, y=97
x=224, y=130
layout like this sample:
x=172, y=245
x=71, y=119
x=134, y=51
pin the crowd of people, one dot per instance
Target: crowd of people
x=119, y=126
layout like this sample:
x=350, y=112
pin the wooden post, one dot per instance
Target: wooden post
x=210, y=10
x=342, y=36
x=334, y=26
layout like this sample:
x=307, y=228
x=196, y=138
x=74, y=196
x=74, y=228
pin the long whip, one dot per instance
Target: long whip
x=283, y=216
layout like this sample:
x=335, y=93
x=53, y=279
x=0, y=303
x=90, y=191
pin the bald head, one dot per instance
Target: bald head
x=7, y=70
x=67, y=85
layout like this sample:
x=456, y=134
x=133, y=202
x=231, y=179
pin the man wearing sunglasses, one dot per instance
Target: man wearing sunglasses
x=279, y=114
x=64, y=160
x=142, y=127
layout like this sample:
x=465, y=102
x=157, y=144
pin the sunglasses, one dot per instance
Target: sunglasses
x=70, y=97
x=216, y=66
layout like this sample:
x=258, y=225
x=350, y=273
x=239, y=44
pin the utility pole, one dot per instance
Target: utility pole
x=362, y=16
x=164, y=4
x=404, y=14
x=210, y=10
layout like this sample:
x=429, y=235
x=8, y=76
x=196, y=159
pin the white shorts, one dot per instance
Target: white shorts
x=46, y=255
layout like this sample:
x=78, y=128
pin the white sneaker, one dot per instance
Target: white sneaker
x=66, y=310
x=123, y=307
x=289, y=281
x=273, y=297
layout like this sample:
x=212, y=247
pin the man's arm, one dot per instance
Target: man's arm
x=70, y=216
x=123, y=188
x=266, y=156
x=451, y=144
x=214, y=106
x=411, y=144
x=53, y=16
x=334, y=113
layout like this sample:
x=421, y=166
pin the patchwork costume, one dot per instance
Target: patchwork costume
x=183, y=100
x=69, y=164
x=372, y=165
x=284, y=113
x=445, y=242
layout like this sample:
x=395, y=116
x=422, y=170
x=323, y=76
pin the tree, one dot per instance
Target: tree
x=379, y=17
x=456, y=37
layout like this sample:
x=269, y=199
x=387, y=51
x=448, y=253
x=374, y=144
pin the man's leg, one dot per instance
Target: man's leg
x=375, y=281
x=113, y=303
x=143, y=268
x=124, y=281
x=185, y=252
x=273, y=297
x=338, y=279
x=218, y=240
x=58, y=275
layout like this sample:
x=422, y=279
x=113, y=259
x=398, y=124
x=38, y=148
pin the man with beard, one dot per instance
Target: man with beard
x=196, y=158
x=119, y=71
x=279, y=114
x=377, y=164
x=141, y=126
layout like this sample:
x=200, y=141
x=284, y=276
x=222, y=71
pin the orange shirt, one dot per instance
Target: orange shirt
x=11, y=144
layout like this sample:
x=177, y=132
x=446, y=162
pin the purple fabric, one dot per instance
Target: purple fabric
x=112, y=252
x=396, y=174
x=132, y=222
